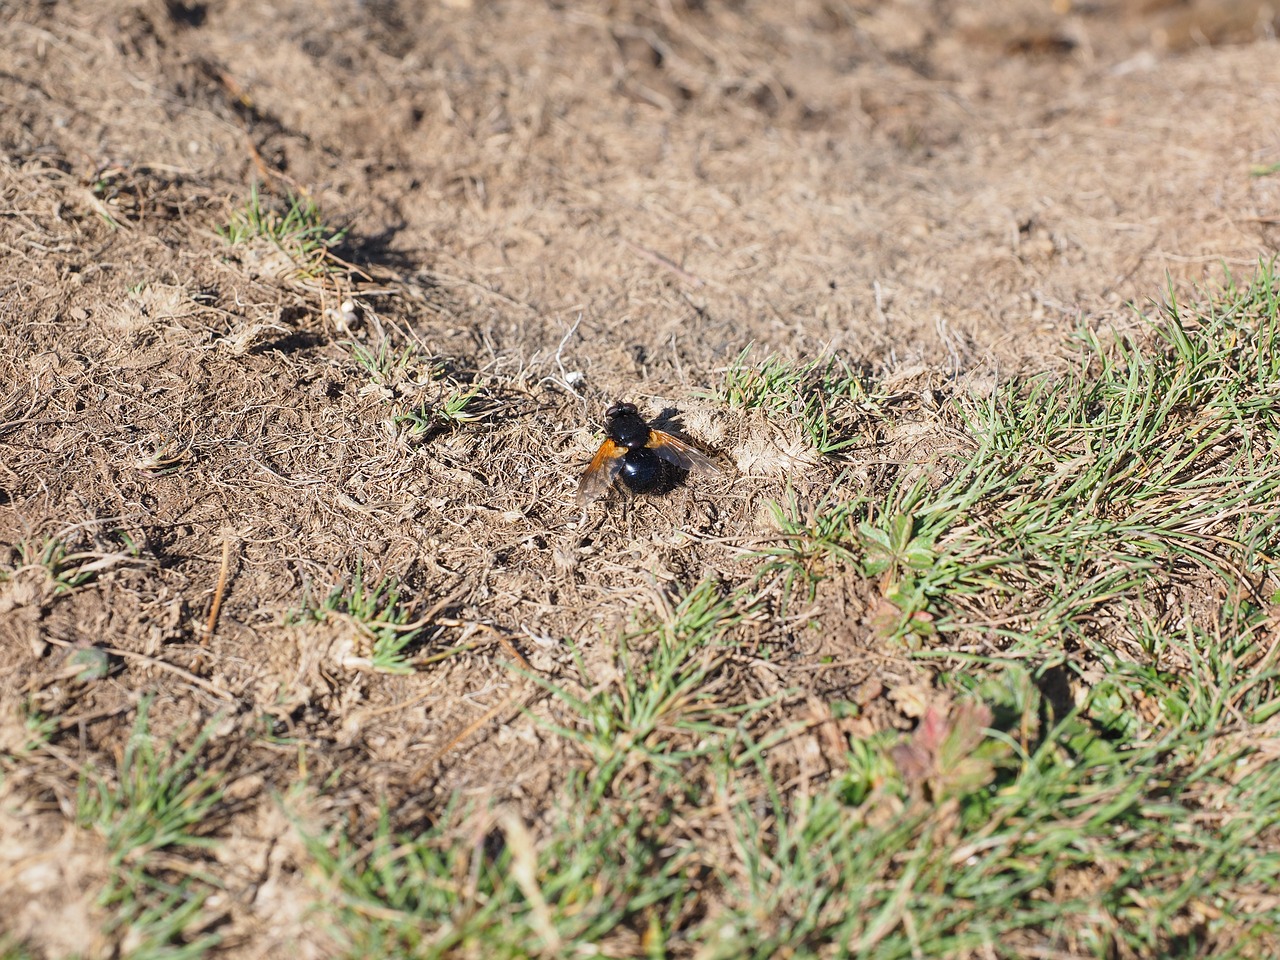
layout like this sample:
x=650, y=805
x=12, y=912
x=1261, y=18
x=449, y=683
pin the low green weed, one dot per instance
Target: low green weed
x=377, y=615
x=663, y=711
x=154, y=809
x=295, y=227
x=66, y=568
x=825, y=396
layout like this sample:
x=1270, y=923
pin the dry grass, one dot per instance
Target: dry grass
x=345, y=295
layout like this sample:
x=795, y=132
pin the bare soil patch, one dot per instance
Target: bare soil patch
x=559, y=205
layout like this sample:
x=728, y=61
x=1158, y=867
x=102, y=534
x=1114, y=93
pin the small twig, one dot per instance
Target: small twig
x=347, y=265
x=489, y=714
x=187, y=675
x=655, y=257
x=519, y=658
x=423, y=620
x=220, y=590
x=567, y=378
x=447, y=278
x=394, y=707
x=467, y=731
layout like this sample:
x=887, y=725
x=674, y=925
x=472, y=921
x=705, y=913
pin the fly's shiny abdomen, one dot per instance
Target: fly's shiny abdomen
x=643, y=471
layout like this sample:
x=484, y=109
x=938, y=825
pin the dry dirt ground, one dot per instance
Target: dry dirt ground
x=559, y=204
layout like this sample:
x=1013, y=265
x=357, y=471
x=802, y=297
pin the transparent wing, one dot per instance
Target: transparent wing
x=675, y=450
x=601, y=473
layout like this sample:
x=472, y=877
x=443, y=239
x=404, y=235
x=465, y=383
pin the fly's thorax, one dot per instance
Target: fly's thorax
x=628, y=429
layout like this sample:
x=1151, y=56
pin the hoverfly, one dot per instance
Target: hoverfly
x=645, y=458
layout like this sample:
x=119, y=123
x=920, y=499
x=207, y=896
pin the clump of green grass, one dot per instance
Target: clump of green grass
x=1123, y=476
x=1069, y=843
x=487, y=885
x=296, y=228
x=825, y=396
x=1198, y=675
x=377, y=618
x=36, y=728
x=456, y=407
x=152, y=811
x=408, y=371
x=65, y=568
x=813, y=540
x=663, y=712
x=613, y=865
x=387, y=365
x=1124, y=510
x=997, y=831
x=823, y=538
